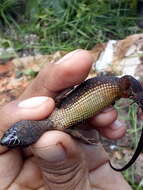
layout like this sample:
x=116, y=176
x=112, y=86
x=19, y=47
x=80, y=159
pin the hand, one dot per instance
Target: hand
x=57, y=161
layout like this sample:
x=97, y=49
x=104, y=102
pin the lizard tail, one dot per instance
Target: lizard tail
x=134, y=157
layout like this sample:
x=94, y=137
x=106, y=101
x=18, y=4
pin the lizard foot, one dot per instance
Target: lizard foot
x=78, y=135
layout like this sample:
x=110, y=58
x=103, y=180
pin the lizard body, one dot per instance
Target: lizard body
x=86, y=100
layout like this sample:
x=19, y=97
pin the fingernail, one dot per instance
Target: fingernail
x=54, y=153
x=110, y=108
x=33, y=102
x=117, y=124
x=68, y=56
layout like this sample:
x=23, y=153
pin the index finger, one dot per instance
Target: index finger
x=71, y=70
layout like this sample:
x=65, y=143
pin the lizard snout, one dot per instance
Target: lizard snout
x=9, y=139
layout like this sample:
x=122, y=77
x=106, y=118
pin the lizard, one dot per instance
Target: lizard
x=86, y=100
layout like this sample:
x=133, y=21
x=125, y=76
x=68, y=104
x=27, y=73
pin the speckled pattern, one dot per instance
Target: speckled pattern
x=86, y=100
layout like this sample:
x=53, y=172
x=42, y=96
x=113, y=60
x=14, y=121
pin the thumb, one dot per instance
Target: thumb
x=34, y=108
x=61, y=160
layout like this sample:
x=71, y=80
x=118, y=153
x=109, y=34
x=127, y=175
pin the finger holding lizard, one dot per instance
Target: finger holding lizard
x=71, y=70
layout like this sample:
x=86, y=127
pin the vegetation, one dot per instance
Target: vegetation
x=65, y=25
x=134, y=131
x=39, y=26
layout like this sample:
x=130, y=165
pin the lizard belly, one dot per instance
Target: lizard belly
x=89, y=104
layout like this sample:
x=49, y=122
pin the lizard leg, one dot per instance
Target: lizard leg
x=78, y=135
x=62, y=95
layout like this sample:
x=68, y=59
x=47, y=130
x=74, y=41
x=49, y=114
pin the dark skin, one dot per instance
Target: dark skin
x=77, y=166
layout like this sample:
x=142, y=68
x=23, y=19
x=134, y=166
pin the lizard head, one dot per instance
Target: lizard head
x=17, y=135
x=10, y=138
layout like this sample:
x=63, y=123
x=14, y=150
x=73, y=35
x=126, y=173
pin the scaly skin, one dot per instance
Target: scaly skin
x=89, y=98
x=86, y=100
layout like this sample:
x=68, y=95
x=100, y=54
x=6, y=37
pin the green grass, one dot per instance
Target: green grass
x=135, y=132
x=129, y=115
x=67, y=25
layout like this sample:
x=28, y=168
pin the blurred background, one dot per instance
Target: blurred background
x=39, y=26
x=53, y=28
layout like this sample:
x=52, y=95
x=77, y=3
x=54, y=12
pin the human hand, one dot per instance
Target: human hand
x=57, y=161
